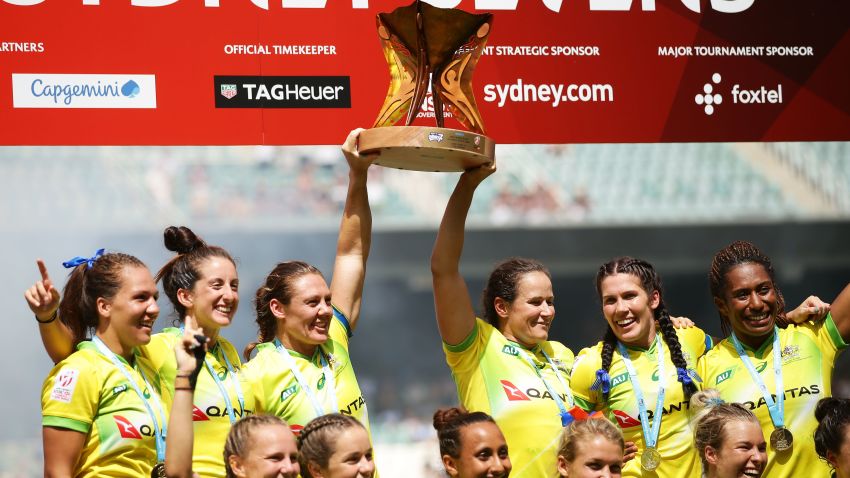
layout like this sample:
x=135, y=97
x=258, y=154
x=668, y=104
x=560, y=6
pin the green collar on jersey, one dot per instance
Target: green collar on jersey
x=533, y=350
x=649, y=349
x=757, y=352
x=89, y=345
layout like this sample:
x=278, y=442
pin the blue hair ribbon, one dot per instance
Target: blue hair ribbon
x=714, y=401
x=603, y=381
x=687, y=376
x=83, y=260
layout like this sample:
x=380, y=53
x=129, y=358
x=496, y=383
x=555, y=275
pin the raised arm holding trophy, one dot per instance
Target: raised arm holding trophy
x=424, y=43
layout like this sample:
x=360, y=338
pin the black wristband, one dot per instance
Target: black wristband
x=51, y=319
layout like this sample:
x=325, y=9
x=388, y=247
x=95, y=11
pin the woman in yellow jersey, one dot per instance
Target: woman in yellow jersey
x=779, y=372
x=832, y=437
x=727, y=437
x=101, y=406
x=202, y=284
x=302, y=367
x=591, y=448
x=642, y=373
x=471, y=444
x=335, y=446
x=257, y=446
x=503, y=366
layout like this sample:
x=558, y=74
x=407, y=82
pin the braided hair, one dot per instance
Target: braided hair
x=650, y=282
x=731, y=256
x=317, y=439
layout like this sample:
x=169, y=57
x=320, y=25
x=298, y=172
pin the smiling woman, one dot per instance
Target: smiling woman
x=95, y=402
x=471, y=444
x=646, y=356
x=202, y=284
x=504, y=366
x=302, y=368
x=779, y=370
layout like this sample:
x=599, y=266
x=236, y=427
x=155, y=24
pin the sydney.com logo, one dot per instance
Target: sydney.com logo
x=83, y=91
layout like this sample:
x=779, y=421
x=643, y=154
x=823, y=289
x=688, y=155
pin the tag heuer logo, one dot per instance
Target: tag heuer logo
x=228, y=91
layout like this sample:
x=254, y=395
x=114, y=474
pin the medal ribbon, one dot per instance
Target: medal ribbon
x=776, y=408
x=227, y=403
x=302, y=382
x=650, y=436
x=566, y=418
x=159, y=433
x=224, y=394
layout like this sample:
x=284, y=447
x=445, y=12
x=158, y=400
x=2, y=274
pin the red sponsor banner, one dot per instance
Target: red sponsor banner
x=307, y=71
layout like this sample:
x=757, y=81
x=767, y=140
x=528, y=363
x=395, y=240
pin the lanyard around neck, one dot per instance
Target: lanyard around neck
x=650, y=435
x=776, y=408
x=159, y=433
x=566, y=418
x=302, y=382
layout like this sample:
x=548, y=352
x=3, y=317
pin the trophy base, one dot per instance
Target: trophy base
x=424, y=148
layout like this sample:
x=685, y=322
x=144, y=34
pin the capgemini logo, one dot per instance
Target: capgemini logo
x=130, y=89
x=707, y=99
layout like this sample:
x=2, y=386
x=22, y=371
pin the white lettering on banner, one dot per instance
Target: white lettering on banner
x=235, y=49
x=538, y=50
x=724, y=6
x=760, y=96
x=700, y=50
x=292, y=92
x=21, y=47
x=554, y=94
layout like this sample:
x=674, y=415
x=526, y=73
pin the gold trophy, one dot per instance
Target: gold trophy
x=421, y=43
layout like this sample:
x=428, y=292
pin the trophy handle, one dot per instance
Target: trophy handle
x=403, y=70
x=455, y=81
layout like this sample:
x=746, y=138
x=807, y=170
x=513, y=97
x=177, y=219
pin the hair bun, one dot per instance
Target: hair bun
x=827, y=406
x=444, y=416
x=181, y=240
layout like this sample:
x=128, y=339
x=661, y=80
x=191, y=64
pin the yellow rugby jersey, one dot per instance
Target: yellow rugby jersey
x=493, y=377
x=808, y=357
x=276, y=391
x=210, y=416
x=675, y=439
x=87, y=393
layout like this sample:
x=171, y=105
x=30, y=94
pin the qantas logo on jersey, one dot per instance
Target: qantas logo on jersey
x=198, y=415
x=355, y=405
x=214, y=411
x=625, y=420
x=296, y=429
x=812, y=389
x=515, y=394
x=126, y=428
x=512, y=391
